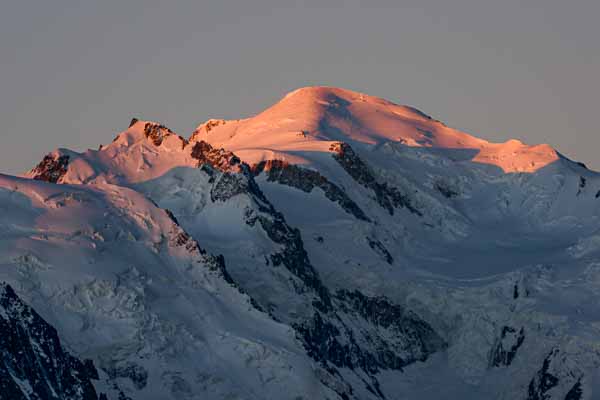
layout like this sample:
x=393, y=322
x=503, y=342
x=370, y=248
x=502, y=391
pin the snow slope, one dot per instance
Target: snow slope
x=308, y=120
x=127, y=287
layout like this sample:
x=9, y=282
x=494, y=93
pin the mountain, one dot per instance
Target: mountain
x=334, y=246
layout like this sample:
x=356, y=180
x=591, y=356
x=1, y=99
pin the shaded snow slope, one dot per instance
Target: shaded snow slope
x=128, y=288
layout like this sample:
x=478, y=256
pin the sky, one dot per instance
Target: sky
x=74, y=72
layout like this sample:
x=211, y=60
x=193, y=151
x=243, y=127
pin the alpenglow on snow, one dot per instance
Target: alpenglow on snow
x=334, y=246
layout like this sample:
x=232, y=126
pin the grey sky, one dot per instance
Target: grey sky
x=72, y=73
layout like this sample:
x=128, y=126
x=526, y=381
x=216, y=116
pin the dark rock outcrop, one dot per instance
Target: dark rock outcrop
x=543, y=381
x=33, y=363
x=576, y=392
x=180, y=238
x=582, y=184
x=219, y=159
x=387, y=196
x=367, y=335
x=551, y=381
x=412, y=338
x=380, y=249
x=51, y=169
x=234, y=177
x=227, y=186
x=506, y=346
x=294, y=257
x=156, y=132
x=306, y=180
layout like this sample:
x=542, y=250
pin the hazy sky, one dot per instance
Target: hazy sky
x=73, y=73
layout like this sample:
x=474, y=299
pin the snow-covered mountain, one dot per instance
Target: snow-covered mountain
x=335, y=246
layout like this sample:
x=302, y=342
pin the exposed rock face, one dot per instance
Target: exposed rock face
x=505, y=349
x=227, y=186
x=219, y=159
x=306, y=180
x=33, y=363
x=411, y=339
x=387, y=196
x=294, y=257
x=51, y=169
x=230, y=177
x=180, y=238
x=380, y=249
x=582, y=184
x=156, y=132
x=544, y=380
x=552, y=380
x=368, y=335
x=576, y=392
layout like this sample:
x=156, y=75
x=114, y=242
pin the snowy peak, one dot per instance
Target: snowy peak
x=301, y=129
x=309, y=119
x=154, y=132
x=145, y=150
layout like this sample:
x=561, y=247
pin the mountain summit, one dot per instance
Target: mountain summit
x=311, y=118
